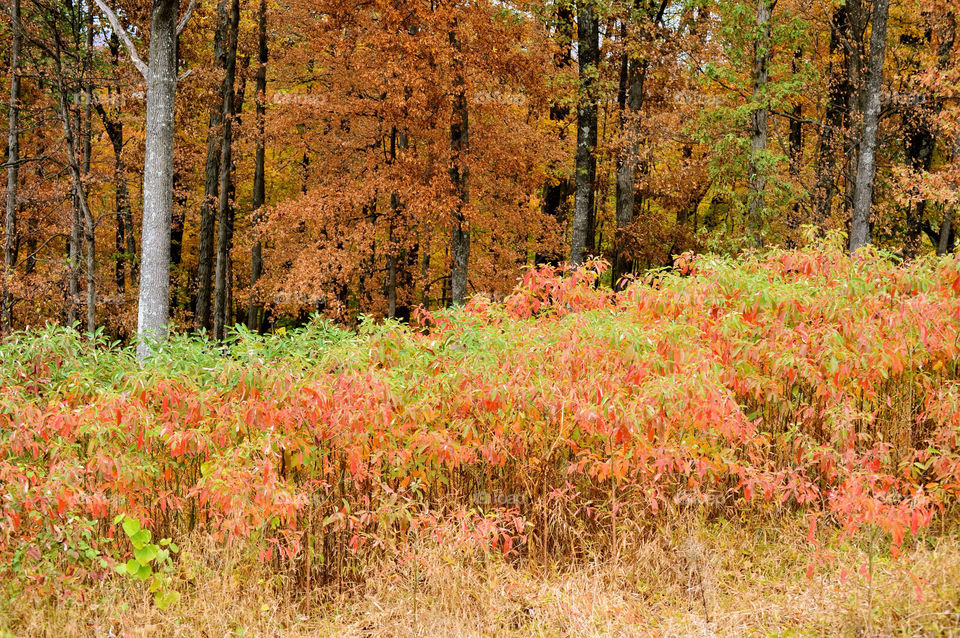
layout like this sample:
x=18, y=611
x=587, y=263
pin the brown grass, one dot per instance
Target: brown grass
x=696, y=579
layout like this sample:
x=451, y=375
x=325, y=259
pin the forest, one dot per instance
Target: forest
x=238, y=162
x=480, y=318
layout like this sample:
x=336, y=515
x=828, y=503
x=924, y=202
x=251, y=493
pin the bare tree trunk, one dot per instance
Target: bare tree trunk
x=866, y=162
x=11, y=239
x=89, y=226
x=588, y=57
x=557, y=190
x=758, y=122
x=259, y=184
x=459, y=174
x=225, y=208
x=76, y=165
x=633, y=77
x=211, y=183
x=398, y=143
x=627, y=165
x=126, y=243
x=833, y=128
x=154, y=303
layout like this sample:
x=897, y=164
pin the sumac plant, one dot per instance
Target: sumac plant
x=545, y=425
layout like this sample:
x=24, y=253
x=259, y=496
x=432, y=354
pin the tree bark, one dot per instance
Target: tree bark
x=255, y=310
x=459, y=174
x=835, y=122
x=866, y=162
x=634, y=73
x=154, y=301
x=205, y=263
x=588, y=56
x=225, y=207
x=557, y=190
x=10, y=237
x=758, y=124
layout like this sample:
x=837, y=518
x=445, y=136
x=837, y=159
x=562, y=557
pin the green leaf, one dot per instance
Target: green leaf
x=141, y=538
x=144, y=573
x=164, y=599
x=145, y=554
x=132, y=566
x=163, y=555
x=131, y=526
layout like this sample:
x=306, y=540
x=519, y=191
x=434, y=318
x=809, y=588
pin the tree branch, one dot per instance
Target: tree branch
x=127, y=42
x=186, y=16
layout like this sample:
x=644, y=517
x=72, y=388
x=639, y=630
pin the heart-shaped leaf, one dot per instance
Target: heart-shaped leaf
x=141, y=538
x=145, y=554
x=131, y=526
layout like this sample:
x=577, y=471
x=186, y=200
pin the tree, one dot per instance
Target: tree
x=11, y=239
x=161, y=75
x=259, y=179
x=867, y=158
x=588, y=57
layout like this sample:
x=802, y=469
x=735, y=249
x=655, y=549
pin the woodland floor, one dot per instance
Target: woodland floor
x=698, y=579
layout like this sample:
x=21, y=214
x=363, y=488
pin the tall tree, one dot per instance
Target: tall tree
x=867, y=157
x=588, y=59
x=153, y=308
x=255, y=310
x=459, y=174
x=225, y=205
x=10, y=237
x=211, y=184
x=758, y=121
x=633, y=75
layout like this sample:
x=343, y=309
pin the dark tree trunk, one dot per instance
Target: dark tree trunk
x=459, y=174
x=866, y=161
x=588, y=54
x=255, y=311
x=756, y=212
x=225, y=208
x=211, y=182
x=835, y=123
x=557, y=190
x=10, y=237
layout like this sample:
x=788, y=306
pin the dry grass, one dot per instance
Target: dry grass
x=696, y=579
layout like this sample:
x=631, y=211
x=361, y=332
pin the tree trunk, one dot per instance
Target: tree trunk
x=89, y=227
x=154, y=301
x=10, y=237
x=225, y=208
x=557, y=190
x=835, y=123
x=459, y=174
x=212, y=175
x=758, y=123
x=255, y=310
x=588, y=54
x=627, y=164
x=866, y=162
x=633, y=77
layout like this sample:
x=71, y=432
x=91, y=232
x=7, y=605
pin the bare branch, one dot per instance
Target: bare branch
x=127, y=42
x=186, y=16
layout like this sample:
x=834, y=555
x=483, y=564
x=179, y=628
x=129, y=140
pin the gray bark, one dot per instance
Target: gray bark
x=588, y=39
x=154, y=302
x=11, y=239
x=866, y=162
